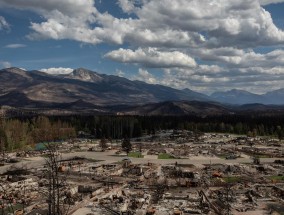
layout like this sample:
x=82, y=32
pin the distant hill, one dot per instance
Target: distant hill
x=240, y=97
x=177, y=108
x=275, y=97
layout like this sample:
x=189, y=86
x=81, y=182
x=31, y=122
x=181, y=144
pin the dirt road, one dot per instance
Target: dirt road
x=108, y=157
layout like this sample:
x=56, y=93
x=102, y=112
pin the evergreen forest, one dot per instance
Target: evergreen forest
x=23, y=132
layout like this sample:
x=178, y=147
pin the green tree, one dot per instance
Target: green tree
x=17, y=134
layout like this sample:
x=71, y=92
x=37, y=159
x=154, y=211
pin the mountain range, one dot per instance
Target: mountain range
x=85, y=90
x=240, y=97
x=28, y=88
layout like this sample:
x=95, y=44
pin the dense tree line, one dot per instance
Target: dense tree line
x=115, y=127
x=134, y=126
x=20, y=132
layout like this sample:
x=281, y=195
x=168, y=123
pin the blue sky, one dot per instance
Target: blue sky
x=207, y=46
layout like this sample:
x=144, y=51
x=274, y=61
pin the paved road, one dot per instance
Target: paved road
x=107, y=157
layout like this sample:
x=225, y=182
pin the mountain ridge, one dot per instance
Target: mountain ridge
x=241, y=97
x=85, y=89
x=87, y=86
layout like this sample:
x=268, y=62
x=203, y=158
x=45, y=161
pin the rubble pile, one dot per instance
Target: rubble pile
x=201, y=174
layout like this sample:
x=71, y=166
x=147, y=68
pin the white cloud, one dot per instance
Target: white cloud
x=168, y=38
x=236, y=23
x=172, y=34
x=68, y=7
x=119, y=73
x=57, y=71
x=145, y=76
x=166, y=23
x=66, y=26
x=127, y=6
x=237, y=58
x=267, y=2
x=209, y=78
x=152, y=58
x=68, y=19
x=3, y=23
x=15, y=46
x=5, y=64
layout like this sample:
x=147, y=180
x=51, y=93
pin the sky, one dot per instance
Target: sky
x=206, y=46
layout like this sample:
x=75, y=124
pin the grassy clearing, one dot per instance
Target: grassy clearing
x=262, y=156
x=222, y=156
x=11, y=209
x=276, y=178
x=165, y=156
x=94, y=160
x=135, y=155
x=232, y=179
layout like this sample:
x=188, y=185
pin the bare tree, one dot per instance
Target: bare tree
x=158, y=187
x=6, y=202
x=56, y=182
x=2, y=145
x=140, y=148
x=103, y=144
x=3, y=142
x=226, y=196
x=126, y=145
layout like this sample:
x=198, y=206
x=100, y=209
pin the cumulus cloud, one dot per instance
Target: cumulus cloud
x=119, y=73
x=57, y=71
x=68, y=7
x=3, y=23
x=5, y=64
x=68, y=19
x=127, y=6
x=237, y=58
x=191, y=23
x=168, y=38
x=210, y=78
x=174, y=35
x=152, y=58
x=225, y=23
x=145, y=76
x=267, y=2
x=15, y=46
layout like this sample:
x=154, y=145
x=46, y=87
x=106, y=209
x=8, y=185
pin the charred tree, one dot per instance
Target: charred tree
x=56, y=182
x=126, y=145
x=103, y=144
